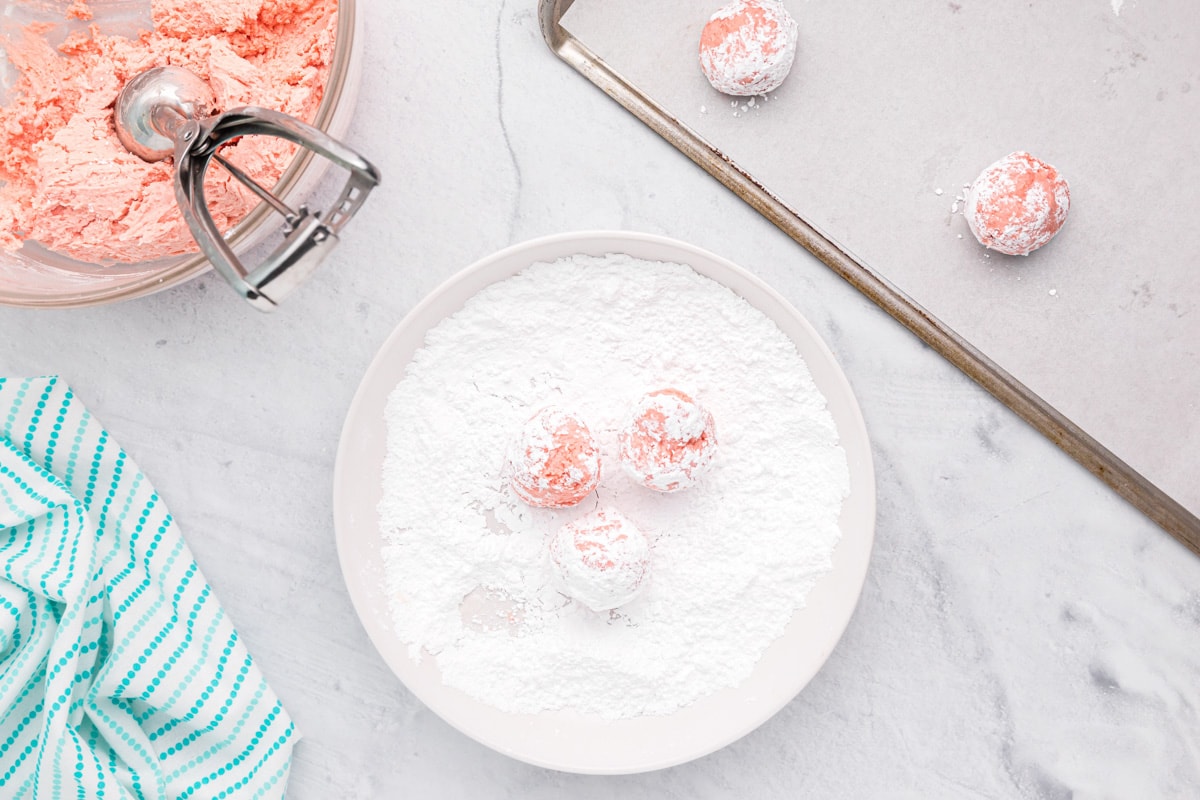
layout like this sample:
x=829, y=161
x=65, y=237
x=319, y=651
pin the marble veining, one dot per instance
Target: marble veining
x=1022, y=632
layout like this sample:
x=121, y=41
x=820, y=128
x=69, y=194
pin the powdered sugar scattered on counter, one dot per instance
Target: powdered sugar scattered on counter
x=733, y=557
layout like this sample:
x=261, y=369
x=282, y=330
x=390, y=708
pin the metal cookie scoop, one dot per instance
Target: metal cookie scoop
x=168, y=111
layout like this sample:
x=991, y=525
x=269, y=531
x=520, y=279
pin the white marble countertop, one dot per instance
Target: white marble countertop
x=1023, y=632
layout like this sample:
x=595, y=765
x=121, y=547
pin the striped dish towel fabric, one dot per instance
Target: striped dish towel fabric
x=120, y=676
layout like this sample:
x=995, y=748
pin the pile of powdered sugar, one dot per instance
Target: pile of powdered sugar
x=466, y=561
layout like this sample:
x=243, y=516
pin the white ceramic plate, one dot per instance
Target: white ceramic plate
x=565, y=740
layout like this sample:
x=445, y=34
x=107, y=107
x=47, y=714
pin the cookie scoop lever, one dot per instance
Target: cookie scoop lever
x=168, y=111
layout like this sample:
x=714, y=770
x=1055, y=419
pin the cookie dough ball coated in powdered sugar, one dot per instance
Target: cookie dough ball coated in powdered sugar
x=601, y=560
x=669, y=441
x=748, y=46
x=1017, y=204
x=555, y=462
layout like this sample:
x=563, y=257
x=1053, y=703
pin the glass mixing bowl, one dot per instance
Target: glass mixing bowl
x=37, y=277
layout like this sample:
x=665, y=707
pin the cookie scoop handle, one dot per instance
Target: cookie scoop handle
x=162, y=112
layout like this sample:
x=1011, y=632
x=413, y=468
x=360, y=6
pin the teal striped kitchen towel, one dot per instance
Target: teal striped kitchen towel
x=120, y=676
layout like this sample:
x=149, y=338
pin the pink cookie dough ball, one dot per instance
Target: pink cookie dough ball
x=1017, y=204
x=601, y=560
x=748, y=46
x=555, y=462
x=668, y=441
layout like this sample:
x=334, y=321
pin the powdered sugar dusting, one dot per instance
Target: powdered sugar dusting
x=748, y=46
x=732, y=558
x=669, y=440
x=1017, y=204
x=555, y=461
x=601, y=560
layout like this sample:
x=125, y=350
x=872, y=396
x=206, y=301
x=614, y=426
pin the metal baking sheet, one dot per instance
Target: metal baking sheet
x=891, y=109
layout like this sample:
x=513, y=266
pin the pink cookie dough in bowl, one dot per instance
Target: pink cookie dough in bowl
x=83, y=221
